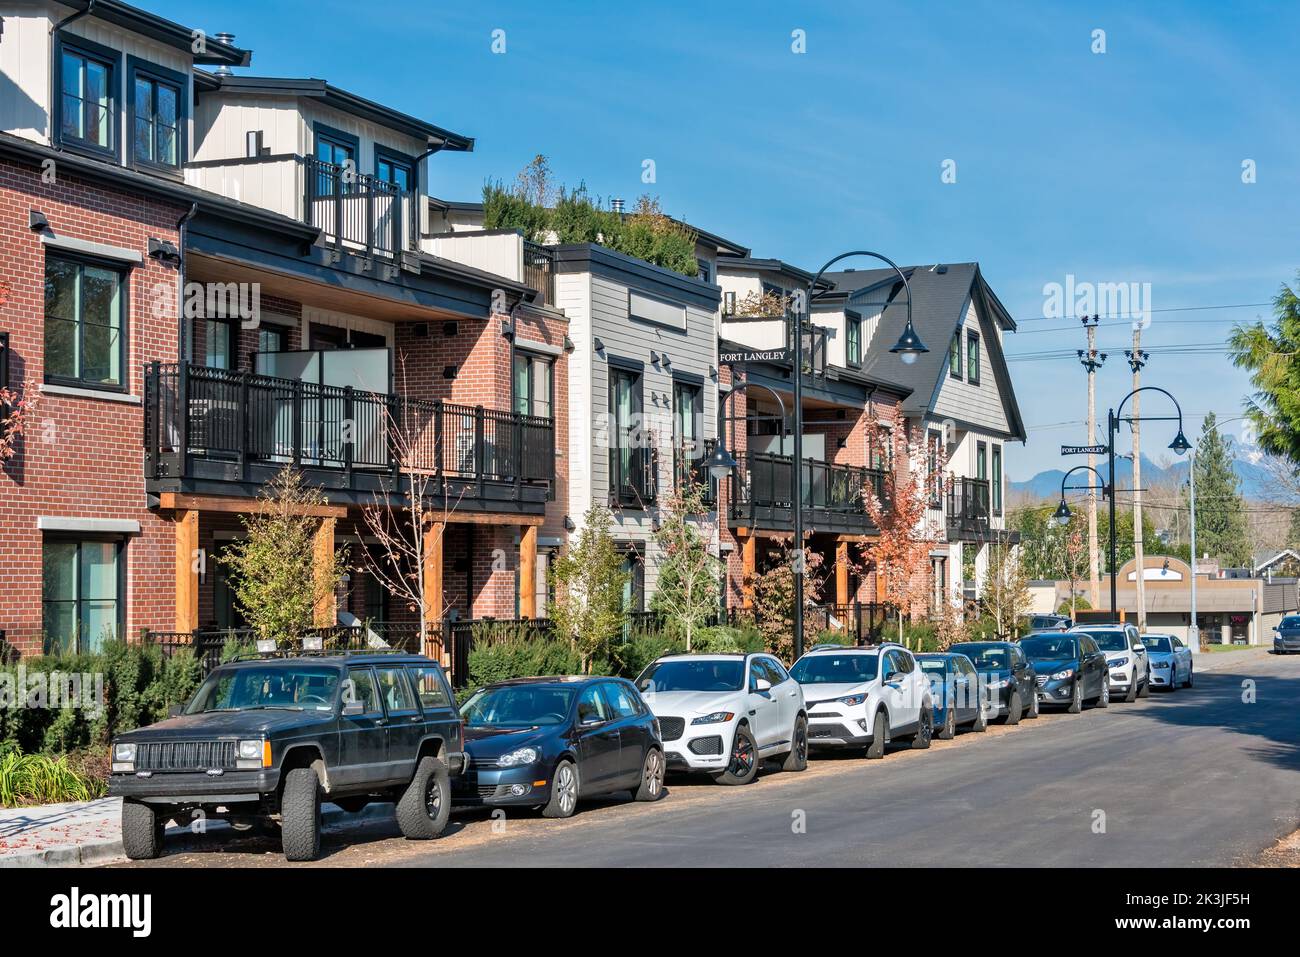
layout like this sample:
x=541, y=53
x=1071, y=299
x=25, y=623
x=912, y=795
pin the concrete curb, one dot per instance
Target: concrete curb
x=107, y=850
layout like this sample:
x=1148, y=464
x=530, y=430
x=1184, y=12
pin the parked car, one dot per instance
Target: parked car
x=271, y=737
x=549, y=742
x=865, y=698
x=1071, y=670
x=1170, y=660
x=1010, y=681
x=1049, y=622
x=725, y=714
x=955, y=692
x=1286, y=636
x=1126, y=658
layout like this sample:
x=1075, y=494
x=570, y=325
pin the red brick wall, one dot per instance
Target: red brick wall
x=83, y=457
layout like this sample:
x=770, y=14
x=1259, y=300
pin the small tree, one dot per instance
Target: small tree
x=901, y=554
x=589, y=580
x=277, y=584
x=1076, y=558
x=774, y=597
x=687, y=591
x=1006, y=589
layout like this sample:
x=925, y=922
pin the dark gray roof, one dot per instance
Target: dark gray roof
x=163, y=30
x=939, y=297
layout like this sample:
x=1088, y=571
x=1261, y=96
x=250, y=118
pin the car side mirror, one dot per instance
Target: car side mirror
x=353, y=709
x=1140, y=649
x=762, y=685
x=591, y=721
x=890, y=676
x=175, y=710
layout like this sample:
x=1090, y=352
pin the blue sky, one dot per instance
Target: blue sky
x=1123, y=166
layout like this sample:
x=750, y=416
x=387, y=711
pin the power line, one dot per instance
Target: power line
x=1128, y=319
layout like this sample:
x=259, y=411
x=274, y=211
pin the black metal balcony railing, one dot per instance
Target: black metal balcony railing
x=357, y=210
x=692, y=464
x=539, y=270
x=633, y=475
x=237, y=425
x=763, y=484
x=968, y=508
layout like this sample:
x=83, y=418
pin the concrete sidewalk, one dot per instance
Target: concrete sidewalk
x=68, y=835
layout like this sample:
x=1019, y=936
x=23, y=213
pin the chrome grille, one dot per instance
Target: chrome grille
x=670, y=729
x=185, y=755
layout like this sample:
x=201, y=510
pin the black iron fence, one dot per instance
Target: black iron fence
x=241, y=417
x=360, y=211
x=766, y=481
x=968, y=507
x=539, y=270
x=209, y=645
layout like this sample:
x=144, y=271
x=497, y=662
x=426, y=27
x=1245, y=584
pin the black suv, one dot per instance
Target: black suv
x=271, y=737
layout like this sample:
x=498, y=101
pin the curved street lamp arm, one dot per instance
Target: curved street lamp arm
x=1151, y=388
x=907, y=287
x=1105, y=486
x=741, y=387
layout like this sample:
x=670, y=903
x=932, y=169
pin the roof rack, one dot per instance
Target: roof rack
x=323, y=653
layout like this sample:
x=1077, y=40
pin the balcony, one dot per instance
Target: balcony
x=219, y=432
x=967, y=513
x=692, y=465
x=539, y=271
x=761, y=494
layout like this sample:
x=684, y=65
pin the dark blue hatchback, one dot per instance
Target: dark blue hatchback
x=547, y=742
x=954, y=689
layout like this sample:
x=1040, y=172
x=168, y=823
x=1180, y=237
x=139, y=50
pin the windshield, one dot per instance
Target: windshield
x=824, y=669
x=1157, y=643
x=249, y=689
x=684, y=674
x=1290, y=621
x=1050, y=647
x=517, y=706
x=986, y=658
x=1109, y=640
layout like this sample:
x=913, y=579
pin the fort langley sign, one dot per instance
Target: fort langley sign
x=755, y=355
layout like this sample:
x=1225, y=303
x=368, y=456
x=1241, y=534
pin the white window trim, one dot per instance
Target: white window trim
x=78, y=393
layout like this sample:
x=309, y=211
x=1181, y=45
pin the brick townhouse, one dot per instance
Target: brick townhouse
x=211, y=276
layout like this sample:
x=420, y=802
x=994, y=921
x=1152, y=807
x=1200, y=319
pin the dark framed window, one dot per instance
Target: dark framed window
x=272, y=338
x=973, y=358
x=628, y=482
x=981, y=460
x=533, y=384
x=218, y=344
x=396, y=168
x=83, y=594
x=934, y=455
x=853, y=340
x=688, y=417
x=87, y=103
x=997, y=480
x=703, y=270
x=338, y=149
x=4, y=360
x=85, y=323
x=634, y=582
x=954, y=355
x=156, y=116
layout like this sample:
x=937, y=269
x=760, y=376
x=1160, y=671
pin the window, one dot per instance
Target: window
x=271, y=338
x=853, y=340
x=592, y=708
x=218, y=344
x=981, y=460
x=634, y=580
x=339, y=150
x=622, y=700
x=85, y=334
x=934, y=455
x=688, y=417
x=157, y=116
x=533, y=394
x=703, y=270
x=87, y=104
x=361, y=687
x=997, y=480
x=627, y=479
x=430, y=688
x=973, y=358
x=954, y=355
x=81, y=593
x=395, y=168
x=394, y=690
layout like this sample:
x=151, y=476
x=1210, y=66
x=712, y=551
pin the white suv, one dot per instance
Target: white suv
x=726, y=714
x=865, y=697
x=1126, y=658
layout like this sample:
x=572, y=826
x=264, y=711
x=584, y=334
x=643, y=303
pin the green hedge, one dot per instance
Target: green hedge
x=138, y=686
x=44, y=779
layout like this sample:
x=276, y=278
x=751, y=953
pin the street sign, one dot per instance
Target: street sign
x=1083, y=450
x=755, y=355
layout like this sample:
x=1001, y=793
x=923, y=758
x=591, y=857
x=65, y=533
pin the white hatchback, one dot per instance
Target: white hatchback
x=725, y=714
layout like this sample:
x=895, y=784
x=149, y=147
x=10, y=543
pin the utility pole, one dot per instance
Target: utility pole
x=1136, y=360
x=1194, y=632
x=1092, y=360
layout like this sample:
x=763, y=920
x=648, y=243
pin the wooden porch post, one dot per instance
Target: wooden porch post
x=748, y=562
x=326, y=611
x=528, y=572
x=433, y=538
x=187, y=570
x=842, y=573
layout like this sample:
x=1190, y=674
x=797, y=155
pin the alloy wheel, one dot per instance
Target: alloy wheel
x=567, y=786
x=742, y=756
x=654, y=773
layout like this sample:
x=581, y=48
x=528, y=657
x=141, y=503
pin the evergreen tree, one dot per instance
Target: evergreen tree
x=1272, y=355
x=1221, y=530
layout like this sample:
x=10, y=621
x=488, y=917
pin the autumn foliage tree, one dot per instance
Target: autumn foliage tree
x=901, y=514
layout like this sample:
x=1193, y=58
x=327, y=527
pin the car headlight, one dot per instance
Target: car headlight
x=852, y=700
x=518, y=758
x=123, y=757
x=252, y=754
x=1062, y=675
x=1119, y=663
x=714, y=718
x=1160, y=664
x=248, y=750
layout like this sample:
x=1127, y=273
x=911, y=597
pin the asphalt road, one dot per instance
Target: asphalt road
x=1196, y=778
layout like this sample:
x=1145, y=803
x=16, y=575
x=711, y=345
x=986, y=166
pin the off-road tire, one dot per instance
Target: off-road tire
x=142, y=830
x=300, y=821
x=425, y=805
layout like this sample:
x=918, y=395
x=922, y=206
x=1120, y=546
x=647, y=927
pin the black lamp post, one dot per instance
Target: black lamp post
x=1179, y=445
x=908, y=347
